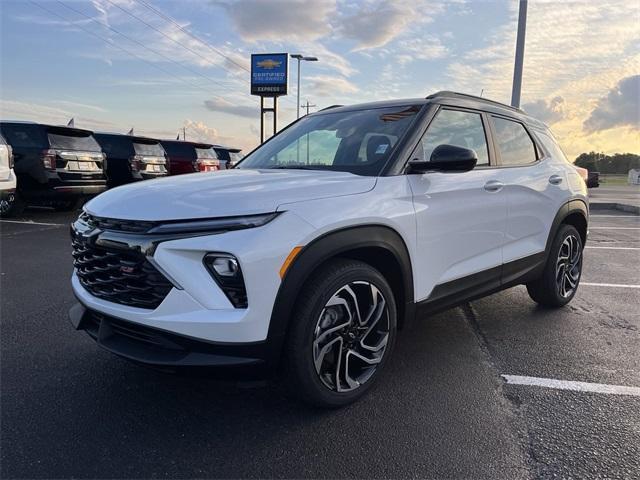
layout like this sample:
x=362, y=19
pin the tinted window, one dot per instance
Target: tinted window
x=72, y=140
x=152, y=149
x=115, y=146
x=452, y=127
x=222, y=154
x=552, y=146
x=357, y=141
x=235, y=156
x=24, y=136
x=206, y=153
x=179, y=149
x=515, y=144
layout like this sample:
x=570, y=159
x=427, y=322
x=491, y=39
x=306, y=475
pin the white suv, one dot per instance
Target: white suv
x=7, y=179
x=309, y=255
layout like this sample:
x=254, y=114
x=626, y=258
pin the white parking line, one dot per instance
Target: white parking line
x=614, y=228
x=613, y=285
x=29, y=222
x=614, y=248
x=571, y=385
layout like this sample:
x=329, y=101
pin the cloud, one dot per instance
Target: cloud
x=218, y=104
x=35, y=112
x=201, y=132
x=328, y=86
x=548, y=112
x=373, y=24
x=279, y=20
x=620, y=108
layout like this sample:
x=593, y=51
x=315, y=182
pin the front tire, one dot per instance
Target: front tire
x=342, y=334
x=561, y=277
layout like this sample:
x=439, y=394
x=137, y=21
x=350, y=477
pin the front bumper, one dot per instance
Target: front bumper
x=169, y=351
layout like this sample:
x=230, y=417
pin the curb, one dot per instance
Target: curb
x=634, y=209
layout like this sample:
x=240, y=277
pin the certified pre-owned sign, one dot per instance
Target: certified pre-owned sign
x=269, y=74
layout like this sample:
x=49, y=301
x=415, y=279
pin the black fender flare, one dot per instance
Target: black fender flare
x=330, y=245
x=569, y=208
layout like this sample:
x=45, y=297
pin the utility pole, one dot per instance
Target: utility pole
x=308, y=106
x=517, y=68
x=184, y=134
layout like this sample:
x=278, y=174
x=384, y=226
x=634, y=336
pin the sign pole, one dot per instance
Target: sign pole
x=517, y=68
x=261, y=119
x=275, y=115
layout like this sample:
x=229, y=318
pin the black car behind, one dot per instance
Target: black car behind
x=54, y=165
x=131, y=158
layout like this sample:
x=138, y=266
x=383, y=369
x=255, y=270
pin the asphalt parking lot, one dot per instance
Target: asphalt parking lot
x=442, y=410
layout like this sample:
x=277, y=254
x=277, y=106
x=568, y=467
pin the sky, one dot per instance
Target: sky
x=160, y=66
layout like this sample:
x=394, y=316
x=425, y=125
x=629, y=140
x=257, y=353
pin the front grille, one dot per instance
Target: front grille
x=127, y=226
x=124, y=277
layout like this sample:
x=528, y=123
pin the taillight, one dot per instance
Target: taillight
x=49, y=159
x=205, y=165
x=10, y=151
x=135, y=161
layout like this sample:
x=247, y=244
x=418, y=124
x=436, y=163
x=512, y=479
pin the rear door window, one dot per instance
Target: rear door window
x=150, y=149
x=71, y=140
x=515, y=144
x=25, y=136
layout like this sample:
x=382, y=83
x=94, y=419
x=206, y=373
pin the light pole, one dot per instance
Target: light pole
x=517, y=68
x=300, y=58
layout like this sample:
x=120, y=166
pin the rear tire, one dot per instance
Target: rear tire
x=561, y=276
x=12, y=206
x=342, y=334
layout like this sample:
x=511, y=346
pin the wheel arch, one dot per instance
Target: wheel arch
x=378, y=245
x=575, y=213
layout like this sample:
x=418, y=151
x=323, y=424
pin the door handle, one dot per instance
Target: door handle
x=493, y=186
x=555, y=179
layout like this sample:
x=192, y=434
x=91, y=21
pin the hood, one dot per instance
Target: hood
x=222, y=194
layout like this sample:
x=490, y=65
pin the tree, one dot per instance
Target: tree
x=618, y=163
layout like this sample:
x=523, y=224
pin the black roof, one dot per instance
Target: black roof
x=444, y=97
x=189, y=142
x=133, y=138
x=81, y=131
x=231, y=149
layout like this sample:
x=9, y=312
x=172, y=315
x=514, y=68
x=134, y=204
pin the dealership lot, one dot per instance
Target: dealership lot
x=443, y=408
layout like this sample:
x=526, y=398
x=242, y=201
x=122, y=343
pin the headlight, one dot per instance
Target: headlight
x=225, y=270
x=215, y=224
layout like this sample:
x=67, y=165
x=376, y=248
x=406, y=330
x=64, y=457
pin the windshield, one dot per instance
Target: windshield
x=358, y=141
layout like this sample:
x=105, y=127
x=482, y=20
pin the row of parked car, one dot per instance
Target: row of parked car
x=59, y=166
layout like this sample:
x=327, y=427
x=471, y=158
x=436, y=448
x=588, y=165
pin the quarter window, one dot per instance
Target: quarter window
x=458, y=128
x=515, y=144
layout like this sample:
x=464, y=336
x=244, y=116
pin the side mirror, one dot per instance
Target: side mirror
x=446, y=158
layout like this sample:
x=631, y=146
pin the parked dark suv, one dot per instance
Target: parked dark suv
x=131, y=158
x=54, y=165
x=231, y=156
x=189, y=157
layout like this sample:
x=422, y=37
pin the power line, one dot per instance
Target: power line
x=90, y=32
x=144, y=46
x=131, y=14
x=195, y=37
x=187, y=32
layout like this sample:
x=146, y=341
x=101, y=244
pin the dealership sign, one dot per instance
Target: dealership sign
x=269, y=74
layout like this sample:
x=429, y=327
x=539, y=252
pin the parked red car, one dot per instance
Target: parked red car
x=190, y=157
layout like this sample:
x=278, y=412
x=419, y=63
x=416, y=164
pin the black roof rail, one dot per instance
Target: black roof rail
x=450, y=94
x=330, y=107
